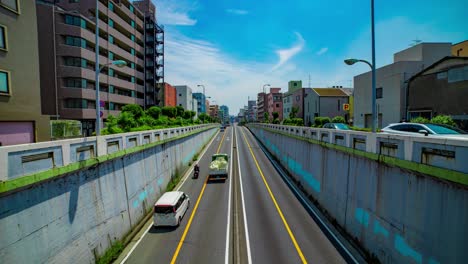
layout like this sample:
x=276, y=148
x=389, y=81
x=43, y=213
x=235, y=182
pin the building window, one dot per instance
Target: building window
x=12, y=5
x=132, y=51
x=297, y=98
x=76, y=62
x=75, y=21
x=339, y=103
x=111, y=72
x=111, y=39
x=73, y=1
x=76, y=83
x=76, y=103
x=5, y=83
x=132, y=65
x=277, y=105
x=111, y=56
x=133, y=94
x=111, y=106
x=132, y=79
x=132, y=23
x=111, y=89
x=131, y=8
x=111, y=6
x=180, y=94
x=379, y=93
x=110, y=22
x=132, y=37
x=3, y=38
x=75, y=41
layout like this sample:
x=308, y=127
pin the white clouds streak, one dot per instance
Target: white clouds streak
x=286, y=54
x=237, y=11
x=322, y=51
x=228, y=81
x=171, y=13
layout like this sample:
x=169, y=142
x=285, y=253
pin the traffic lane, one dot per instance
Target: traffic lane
x=315, y=245
x=206, y=239
x=269, y=239
x=160, y=243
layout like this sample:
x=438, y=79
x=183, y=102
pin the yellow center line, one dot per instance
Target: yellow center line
x=182, y=239
x=291, y=235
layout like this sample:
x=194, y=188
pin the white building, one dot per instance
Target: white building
x=391, y=84
x=184, y=97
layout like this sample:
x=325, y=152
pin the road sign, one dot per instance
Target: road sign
x=101, y=113
x=346, y=107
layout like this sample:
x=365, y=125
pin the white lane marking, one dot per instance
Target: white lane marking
x=226, y=256
x=249, y=255
x=176, y=189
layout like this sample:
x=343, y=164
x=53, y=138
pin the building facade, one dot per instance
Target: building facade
x=325, y=102
x=68, y=68
x=224, y=114
x=200, y=97
x=261, y=106
x=441, y=89
x=214, y=111
x=184, y=96
x=391, y=84
x=21, y=120
x=275, y=103
x=170, y=98
x=154, y=54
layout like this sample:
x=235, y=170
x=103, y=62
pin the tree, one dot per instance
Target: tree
x=443, y=120
x=134, y=109
x=338, y=119
x=154, y=112
x=420, y=120
x=266, y=117
x=169, y=111
x=126, y=121
x=204, y=118
x=180, y=111
x=275, y=115
x=294, y=111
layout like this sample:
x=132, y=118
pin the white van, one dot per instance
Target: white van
x=170, y=208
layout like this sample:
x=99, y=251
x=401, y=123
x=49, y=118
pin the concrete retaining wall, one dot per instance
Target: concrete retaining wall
x=398, y=214
x=75, y=217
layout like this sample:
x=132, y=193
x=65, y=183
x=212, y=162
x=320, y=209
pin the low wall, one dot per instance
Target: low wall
x=400, y=210
x=73, y=213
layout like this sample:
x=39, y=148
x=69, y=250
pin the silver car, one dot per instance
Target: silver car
x=425, y=129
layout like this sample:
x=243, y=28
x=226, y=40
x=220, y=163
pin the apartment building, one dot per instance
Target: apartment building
x=275, y=103
x=169, y=95
x=67, y=58
x=184, y=96
x=21, y=120
x=201, y=107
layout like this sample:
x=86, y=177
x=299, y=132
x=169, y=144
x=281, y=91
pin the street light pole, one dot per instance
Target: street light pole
x=97, y=69
x=374, y=92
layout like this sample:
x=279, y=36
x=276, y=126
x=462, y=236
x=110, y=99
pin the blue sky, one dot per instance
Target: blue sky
x=234, y=47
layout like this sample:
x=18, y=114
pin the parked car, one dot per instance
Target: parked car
x=425, y=129
x=338, y=126
x=170, y=208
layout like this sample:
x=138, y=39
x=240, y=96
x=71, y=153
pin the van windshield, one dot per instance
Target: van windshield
x=163, y=209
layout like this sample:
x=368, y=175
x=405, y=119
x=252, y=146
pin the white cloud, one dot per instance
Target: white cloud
x=228, y=81
x=174, y=13
x=322, y=51
x=286, y=54
x=237, y=11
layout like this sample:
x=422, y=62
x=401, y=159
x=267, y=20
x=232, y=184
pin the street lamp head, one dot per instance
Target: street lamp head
x=119, y=63
x=350, y=61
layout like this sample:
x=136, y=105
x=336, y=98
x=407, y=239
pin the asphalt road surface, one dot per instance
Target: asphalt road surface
x=252, y=217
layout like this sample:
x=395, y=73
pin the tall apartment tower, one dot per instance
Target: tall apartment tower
x=67, y=58
x=154, y=55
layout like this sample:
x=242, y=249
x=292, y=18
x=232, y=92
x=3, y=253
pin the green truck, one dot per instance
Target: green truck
x=219, y=167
